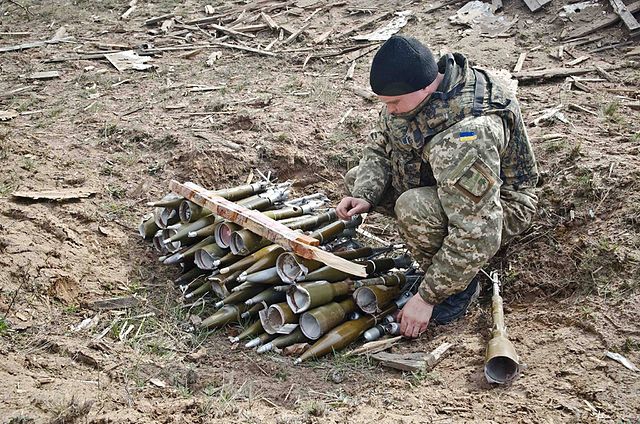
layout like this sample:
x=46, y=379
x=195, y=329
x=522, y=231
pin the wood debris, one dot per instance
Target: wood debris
x=133, y=5
x=114, y=303
x=625, y=14
x=621, y=359
x=412, y=361
x=6, y=115
x=602, y=23
x=155, y=20
x=535, y=5
x=57, y=195
x=386, y=31
x=44, y=75
x=129, y=60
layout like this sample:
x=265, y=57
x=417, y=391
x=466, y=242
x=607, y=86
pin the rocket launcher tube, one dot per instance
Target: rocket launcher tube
x=501, y=360
x=371, y=299
x=147, y=227
x=253, y=310
x=305, y=296
x=207, y=255
x=375, y=265
x=260, y=340
x=318, y=321
x=266, y=276
x=269, y=296
x=291, y=266
x=253, y=329
x=276, y=316
x=314, y=221
x=394, y=279
x=158, y=244
x=190, y=212
x=249, y=260
x=189, y=253
x=265, y=262
x=238, y=297
x=169, y=201
x=223, y=233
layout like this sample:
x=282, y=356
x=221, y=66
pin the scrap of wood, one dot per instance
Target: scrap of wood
x=295, y=34
x=230, y=31
x=627, y=17
x=385, y=32
x=535, y=5
x=375, y=346
x=44, y=75
x=269, y=21
x=578, y=60
x=6, y=115
x=634, y=106
x=520, y=62
x=350, y=71
x=579, y=108
x=364, y=24
x=155, y=20
x=204, y=21
x=602, y=23
x=604, y=74
x=133, y=5
x=264, y=226
x=412, y=361
x=322, y=37
x=128, y=60
x=622, y=360
x=32, y=44
x=634, y=52
x=62, y=194
x=362, y=92
x=201, y=88
x=579, y=85
x=245, y=48
x=549, y=73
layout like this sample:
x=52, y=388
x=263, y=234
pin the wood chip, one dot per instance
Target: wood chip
x=155, y=20
x=114, y=303
x=58, y=195
x=412, y=361
x=129, y=60
x=621, y=359
x=627, y=17
x=44, y=75
x=602, y=23
x=577, y=60
x=520, y=62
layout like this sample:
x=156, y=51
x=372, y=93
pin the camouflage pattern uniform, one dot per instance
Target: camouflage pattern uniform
x=461, y=172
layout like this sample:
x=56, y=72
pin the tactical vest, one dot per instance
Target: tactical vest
x=477, y=94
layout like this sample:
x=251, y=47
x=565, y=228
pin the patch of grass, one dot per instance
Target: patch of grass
x=575, y=152
x=5, y=189
x=71, y=411
x=555, y=146
x=630, y=345
x=28, y=164
x=4, y=326
x=109, y=129
x=315, y=408
x=611, y=112
x=419, y=377
x=21, y=419
x=115, y=191
x=71, y=309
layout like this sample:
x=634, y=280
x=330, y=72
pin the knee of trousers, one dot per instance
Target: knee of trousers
x=350, y=179
x=418, y=208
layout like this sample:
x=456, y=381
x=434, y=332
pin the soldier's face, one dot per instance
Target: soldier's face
x=398, y=105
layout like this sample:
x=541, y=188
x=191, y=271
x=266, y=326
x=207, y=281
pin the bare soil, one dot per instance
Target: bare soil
x=571, y=282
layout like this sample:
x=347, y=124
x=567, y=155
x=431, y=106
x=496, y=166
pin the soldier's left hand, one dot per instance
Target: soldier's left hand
x=414, y=317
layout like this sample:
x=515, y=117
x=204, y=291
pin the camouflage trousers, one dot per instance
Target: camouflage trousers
x=423, y=224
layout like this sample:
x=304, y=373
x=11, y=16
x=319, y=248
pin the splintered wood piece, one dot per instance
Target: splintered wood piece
x=549, y=73
x=535, y=5
x=264, y=226
x=230, y=31
x=412, y=361
x=155, y=20
x=245, y=48
x=63, y=194
x=44, y=75
x=627, y=17
x=363, y=25
x=602, y=23
x=269, y=21
x=520, y=62
x=577, y=61
x=375, y=346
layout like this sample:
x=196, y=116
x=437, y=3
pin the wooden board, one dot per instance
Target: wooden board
x=264, y=226
x=62, y=194
x=535, y=5
x=627, y=17
x=549, y=73
x=602, y=23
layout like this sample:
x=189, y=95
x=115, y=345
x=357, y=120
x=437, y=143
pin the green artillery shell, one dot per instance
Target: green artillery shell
x=209, y=230
x=318, y=321
x=183, y=233
x=189, y=253
x=341, y=336
x=266, y=276
x=296, y=336
x=260, y=339
x=148, y=227
x=265, y=262
x=242, y=191
x=276, y=316
x=253, y=329
x=253, y=311
x=223, y=233
x=280, y=214
x=189, y=276
x=331, y=274
x=327, y=232
x=206, y=256
x=269, y=296
x=165, y=217
x=314, y=221
x=190, y=212
x=227, y=314
x=169, y=201
x=309, y=295
x=160, y=247
x=371, y=299
x=249, y=260
x=394, y=279
x=501, y=360
x=238, y=297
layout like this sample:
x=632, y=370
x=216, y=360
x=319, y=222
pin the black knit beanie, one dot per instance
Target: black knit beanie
x=402, y=65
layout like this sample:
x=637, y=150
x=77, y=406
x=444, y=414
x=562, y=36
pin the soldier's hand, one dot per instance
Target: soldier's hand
x=414, y=317
x=350, y=206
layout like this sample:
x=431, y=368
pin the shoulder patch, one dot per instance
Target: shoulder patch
x=467, y=136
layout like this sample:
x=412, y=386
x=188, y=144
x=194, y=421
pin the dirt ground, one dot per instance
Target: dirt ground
x=571, y=282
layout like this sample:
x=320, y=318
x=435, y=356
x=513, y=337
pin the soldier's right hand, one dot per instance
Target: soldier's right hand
x=350, y=206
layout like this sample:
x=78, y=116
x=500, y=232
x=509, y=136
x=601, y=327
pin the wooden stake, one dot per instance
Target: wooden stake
x=520, y=62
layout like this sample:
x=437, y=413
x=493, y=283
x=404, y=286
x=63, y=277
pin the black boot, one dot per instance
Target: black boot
x=454, y=306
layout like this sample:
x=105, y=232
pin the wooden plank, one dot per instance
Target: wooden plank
x=602, y=23
x=535, y=5
x=62, y=194
x=627, y=17
x=550, y=73
x=260, y=224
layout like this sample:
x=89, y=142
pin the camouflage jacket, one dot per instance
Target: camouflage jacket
x=450, y=142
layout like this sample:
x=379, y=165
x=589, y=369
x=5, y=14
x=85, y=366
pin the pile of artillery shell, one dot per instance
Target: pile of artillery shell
x=282, y=299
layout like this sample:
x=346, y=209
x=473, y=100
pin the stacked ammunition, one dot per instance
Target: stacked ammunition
x=284, y=299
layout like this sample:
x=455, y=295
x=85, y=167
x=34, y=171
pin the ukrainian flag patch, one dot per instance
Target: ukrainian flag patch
x=467, y=136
